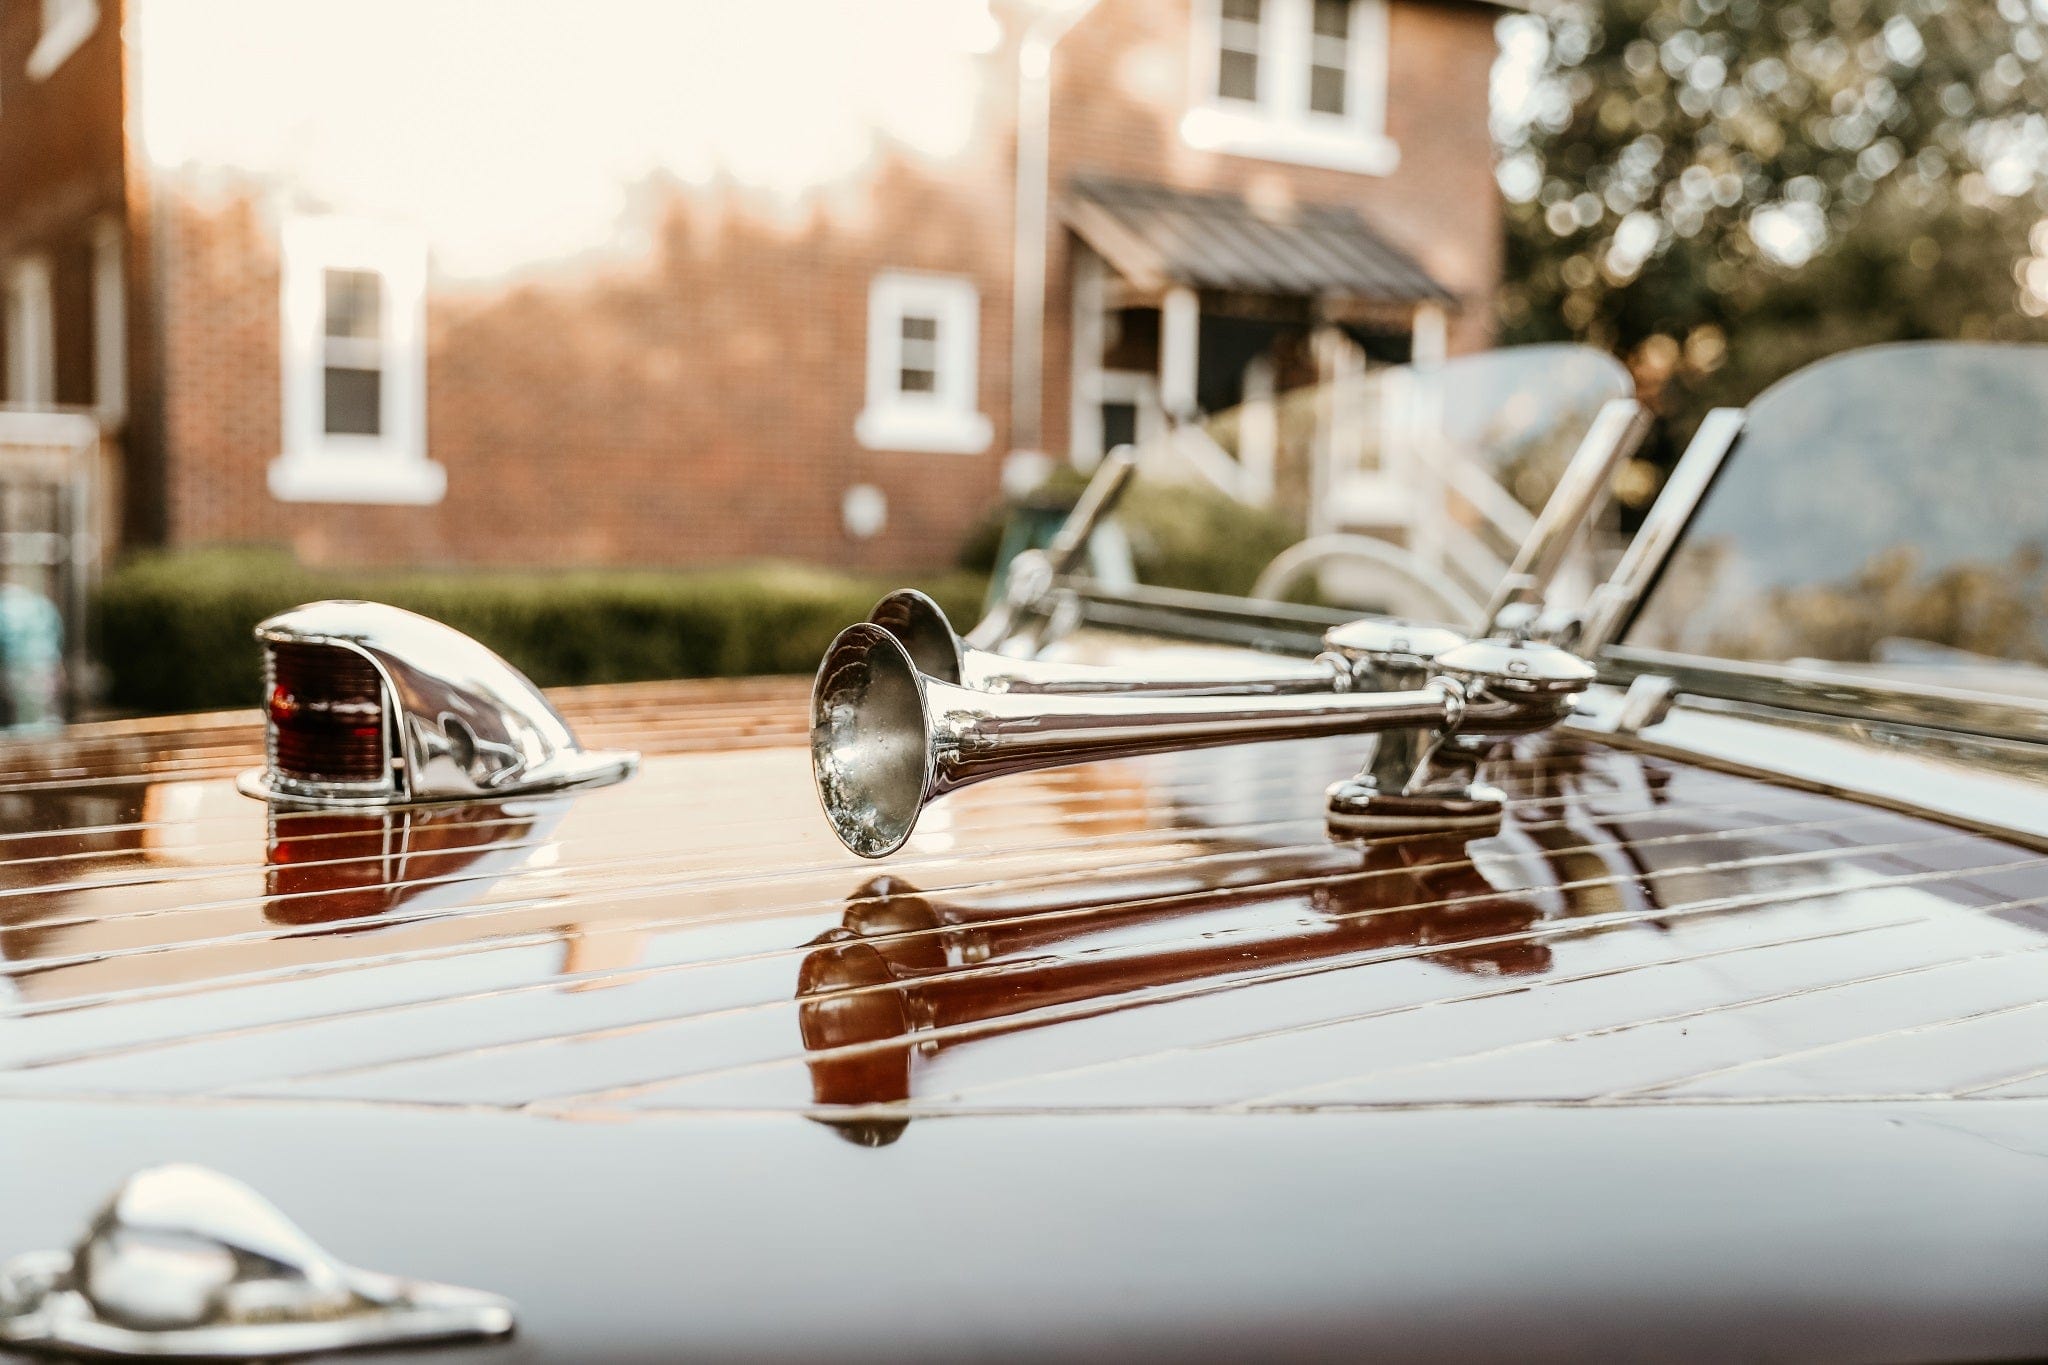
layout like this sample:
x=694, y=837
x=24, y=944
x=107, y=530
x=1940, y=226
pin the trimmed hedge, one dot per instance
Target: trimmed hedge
x=175, y=628
x=1187, y=537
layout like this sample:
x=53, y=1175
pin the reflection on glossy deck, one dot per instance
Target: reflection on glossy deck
x=1166, y=933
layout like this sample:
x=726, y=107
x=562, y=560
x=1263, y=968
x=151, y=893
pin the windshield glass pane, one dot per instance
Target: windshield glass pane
x=1884, y=513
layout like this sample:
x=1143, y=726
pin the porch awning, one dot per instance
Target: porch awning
x=1157, y=237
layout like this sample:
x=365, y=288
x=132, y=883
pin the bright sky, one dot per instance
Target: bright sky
x=516, y=129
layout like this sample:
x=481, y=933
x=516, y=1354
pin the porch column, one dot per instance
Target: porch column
x=1084, y=372
x=1324, y=348
x=1422, y=448
x=109, y=321
x=1428, y=337
x=31, y=344
x=1258, y=429
x=1180, y=320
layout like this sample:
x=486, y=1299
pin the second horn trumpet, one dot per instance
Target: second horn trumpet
x=921, y=626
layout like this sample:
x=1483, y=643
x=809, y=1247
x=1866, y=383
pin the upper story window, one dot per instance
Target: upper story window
x=1329, y=57
x=923, y=344
x=354, y=364
x=1237, y=49
x=66, y=24
x=1293, y=80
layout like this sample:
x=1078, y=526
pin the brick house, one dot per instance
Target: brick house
x=662, y=284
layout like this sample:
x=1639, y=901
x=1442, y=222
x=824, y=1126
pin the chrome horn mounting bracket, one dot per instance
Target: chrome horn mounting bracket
x=1421, y=780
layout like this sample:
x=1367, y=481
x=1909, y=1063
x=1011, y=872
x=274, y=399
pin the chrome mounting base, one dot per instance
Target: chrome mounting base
x=1356, y=806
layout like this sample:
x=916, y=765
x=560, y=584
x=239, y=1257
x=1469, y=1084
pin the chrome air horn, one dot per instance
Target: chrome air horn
x=886, y=739
x=920, y=625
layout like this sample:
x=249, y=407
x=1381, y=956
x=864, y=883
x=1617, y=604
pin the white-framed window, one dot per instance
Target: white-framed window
x=924, y=335
x=66, y=24
x=31, y=333
x=1239, y=44
x=1292, y=80
x=355, y=365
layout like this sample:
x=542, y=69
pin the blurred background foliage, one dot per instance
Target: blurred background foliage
x=1721, y=191
x=1181, y=535
x=176, y=626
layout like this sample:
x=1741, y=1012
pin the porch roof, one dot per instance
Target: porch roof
x=1157, y=237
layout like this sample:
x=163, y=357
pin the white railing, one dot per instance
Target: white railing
x=1183, y=452
x=1414, y=457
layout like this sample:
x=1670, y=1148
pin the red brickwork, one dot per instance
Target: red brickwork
x=1122, y=80
x=60, y=169
x=693, y=408
x=698, y=404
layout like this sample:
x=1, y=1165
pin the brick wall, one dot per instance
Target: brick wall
x=1122, y=80
x=697, y=402
x=60, y=168
x=697, y=406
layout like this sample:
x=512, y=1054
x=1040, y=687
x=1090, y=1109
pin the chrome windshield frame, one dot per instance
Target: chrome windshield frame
x=1821, y=692
x=1617, y=432
x=1808, y=688
x=1616, y=602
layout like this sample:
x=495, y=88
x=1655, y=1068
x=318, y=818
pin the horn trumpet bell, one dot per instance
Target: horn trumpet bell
x=886, y=739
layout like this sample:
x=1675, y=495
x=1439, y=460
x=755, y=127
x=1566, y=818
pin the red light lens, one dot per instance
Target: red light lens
x=326, y=712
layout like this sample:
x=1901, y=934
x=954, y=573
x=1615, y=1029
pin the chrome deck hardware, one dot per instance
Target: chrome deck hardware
x=369, y=705
x=887, y=739
x=1421, y=781
x=1395, y=656
x=184, y=1263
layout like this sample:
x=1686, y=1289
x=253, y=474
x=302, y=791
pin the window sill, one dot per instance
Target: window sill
x=61, y=40
x=1255, y=135
x=357, y=478
x=951, y=433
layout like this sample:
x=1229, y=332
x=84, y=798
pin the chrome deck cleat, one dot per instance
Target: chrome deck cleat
x=184, y=1263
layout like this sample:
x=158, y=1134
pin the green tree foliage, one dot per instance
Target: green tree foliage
x=1721, y=191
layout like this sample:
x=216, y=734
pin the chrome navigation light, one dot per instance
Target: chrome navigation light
x=184, y=1263
x=368, y=705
